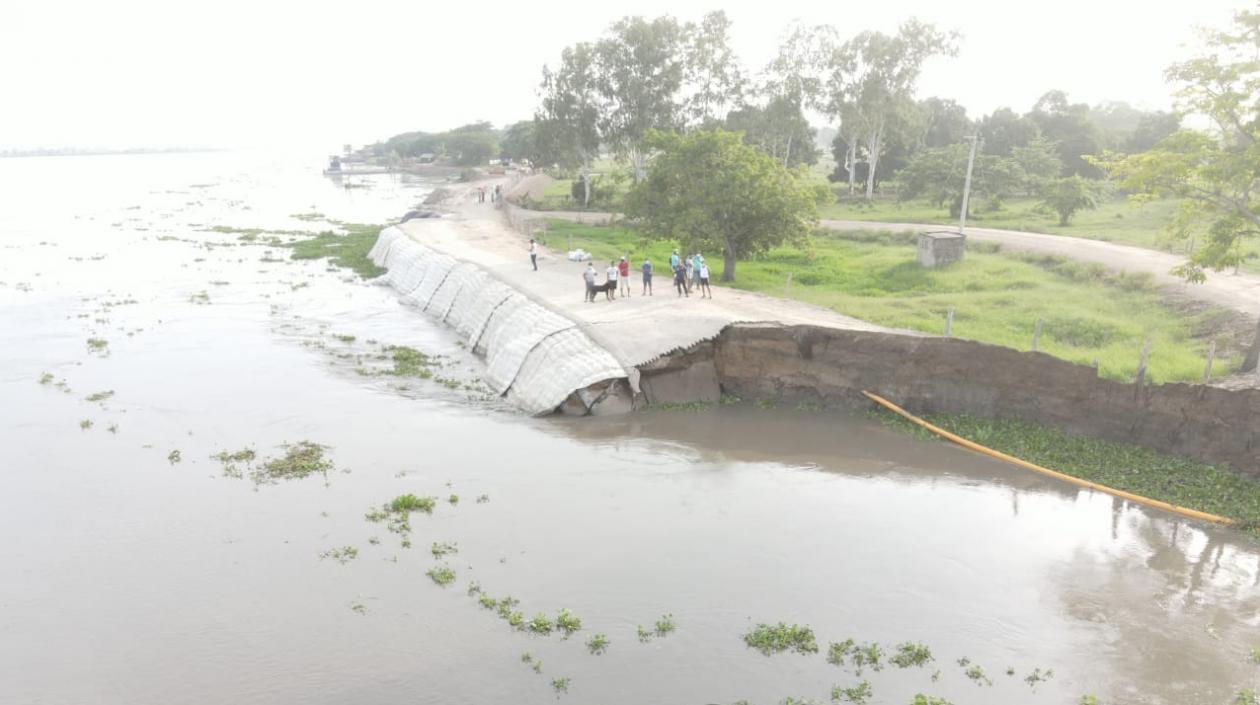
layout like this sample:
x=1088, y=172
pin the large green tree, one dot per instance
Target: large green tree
x=1003, y=130
x=1070, y=194
x=882, y=72
x=778, y=128
x=568, y=120
x=714, y=78
x=1070, y=126
x=519, y=141
x=472, y=144
x=642, y=65
x=1216, y=173
x=710, y=191
x=939, y=175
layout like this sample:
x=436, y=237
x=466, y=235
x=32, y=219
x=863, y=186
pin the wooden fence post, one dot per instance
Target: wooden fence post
x=1037, y=335
x=1207, y=371
x=787, y=285
x=949, y=323
x=1140, y=377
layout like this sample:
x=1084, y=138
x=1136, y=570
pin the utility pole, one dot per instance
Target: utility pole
x=971, y=160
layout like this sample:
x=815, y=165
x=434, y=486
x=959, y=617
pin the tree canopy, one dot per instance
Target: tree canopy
x=779, y=129
x=710, y=191
x=1217, y=173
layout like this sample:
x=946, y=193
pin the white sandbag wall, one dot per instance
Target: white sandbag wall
x=534, y=356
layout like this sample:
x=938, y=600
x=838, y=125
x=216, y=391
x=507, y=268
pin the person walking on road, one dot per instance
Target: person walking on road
x=687, y=273
x=589, y=276
x=704, y=280
x=696, y=261
x=673, y=260
x=647, y=277
x=533, y=253
x=623, y=276
x=612, y=278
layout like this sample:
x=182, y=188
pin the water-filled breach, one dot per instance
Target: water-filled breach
x=534, y=356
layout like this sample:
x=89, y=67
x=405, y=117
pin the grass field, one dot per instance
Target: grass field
x=1117, y=220
x=1087, y=312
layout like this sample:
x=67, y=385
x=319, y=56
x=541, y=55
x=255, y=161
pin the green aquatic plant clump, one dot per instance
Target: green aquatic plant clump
x=911, y=654
x=300, y=460
x=859, y=694
x=868, y=656
x=774, y=639
x=409, y=362
x=1123, y=466
x=342, y=555
x=506, y=605
x=1038, y=676
x=232, y=461
x=445, y=548
x=397, y=516
x=442, y=575
x=665, y=625
x=99, y=396
x=597, y=644
x=568, y=623
x=977, y=675
x=921, y=699
x=837, y=651
x=411, y=503
x=540, y=624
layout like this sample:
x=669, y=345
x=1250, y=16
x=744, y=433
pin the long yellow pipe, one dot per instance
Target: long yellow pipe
x=1175, y=509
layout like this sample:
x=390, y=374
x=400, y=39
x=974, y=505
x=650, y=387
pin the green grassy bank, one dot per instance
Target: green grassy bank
x=1087, y=313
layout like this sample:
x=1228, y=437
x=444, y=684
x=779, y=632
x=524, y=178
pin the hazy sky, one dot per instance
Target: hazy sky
x=248, y=72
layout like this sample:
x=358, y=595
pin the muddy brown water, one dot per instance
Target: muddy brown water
x=130, y=579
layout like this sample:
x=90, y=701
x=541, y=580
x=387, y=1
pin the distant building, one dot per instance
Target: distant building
x=427, y=158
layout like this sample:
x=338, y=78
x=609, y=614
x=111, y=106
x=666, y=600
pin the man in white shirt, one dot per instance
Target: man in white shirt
x=612, y=277
x=533, y=253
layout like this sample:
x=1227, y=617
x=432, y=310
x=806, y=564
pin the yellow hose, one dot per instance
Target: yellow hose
x=1175, y=509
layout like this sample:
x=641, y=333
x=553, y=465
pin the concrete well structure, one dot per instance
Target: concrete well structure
x=937, y=249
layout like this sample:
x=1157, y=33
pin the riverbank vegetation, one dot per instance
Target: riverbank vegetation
x=1087, y=312
x=1142, y=471
x=347, y=249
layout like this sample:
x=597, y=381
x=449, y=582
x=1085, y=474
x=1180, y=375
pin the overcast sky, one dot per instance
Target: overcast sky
x=114, y=73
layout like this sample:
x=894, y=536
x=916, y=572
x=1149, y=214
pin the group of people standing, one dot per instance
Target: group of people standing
x=689, y=273
x=495, y=195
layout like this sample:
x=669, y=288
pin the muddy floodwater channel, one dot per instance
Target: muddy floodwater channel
x=207, y=448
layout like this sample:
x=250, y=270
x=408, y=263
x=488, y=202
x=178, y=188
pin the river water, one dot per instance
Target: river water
x=135, y=574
